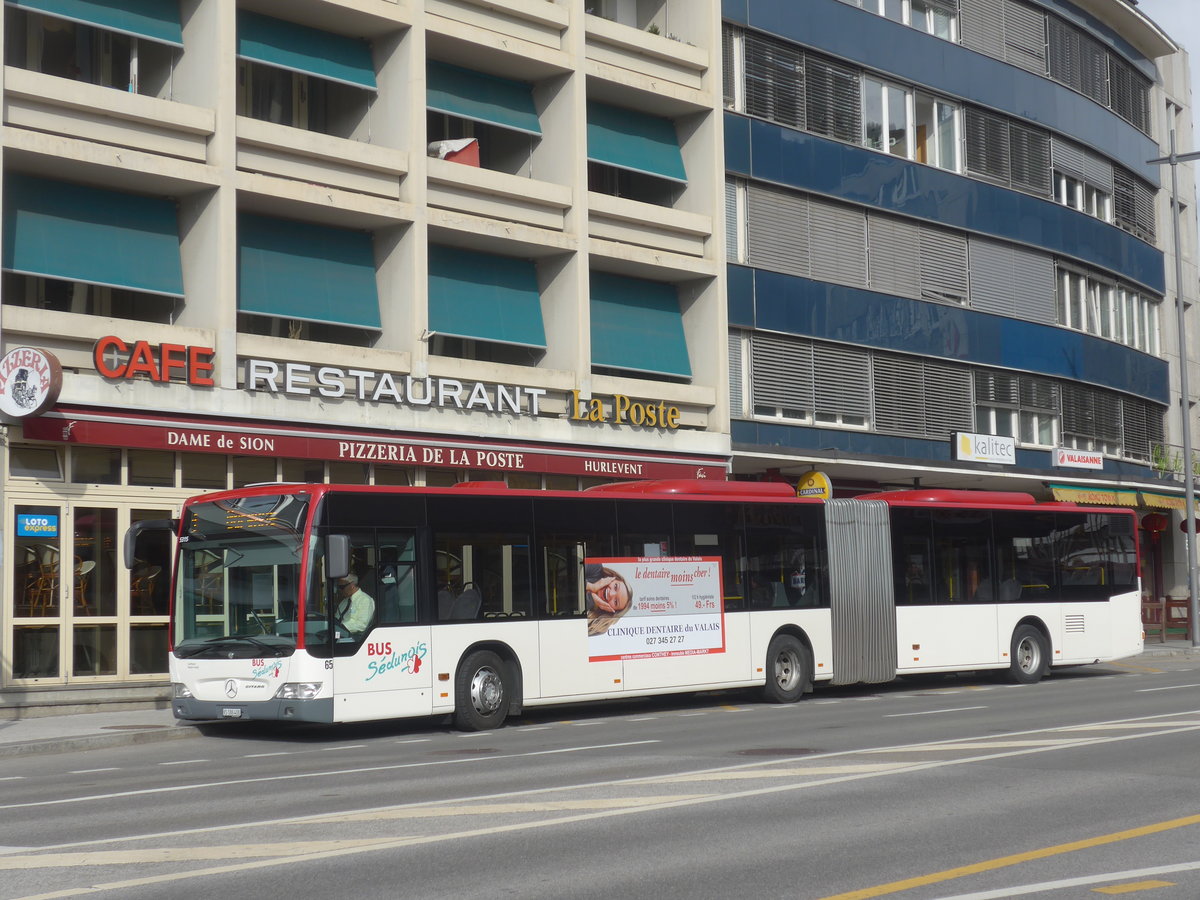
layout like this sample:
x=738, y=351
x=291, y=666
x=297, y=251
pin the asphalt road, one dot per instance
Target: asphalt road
x=1085, y=785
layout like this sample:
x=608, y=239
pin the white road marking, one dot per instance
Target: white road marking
x=1018, y=890
x=263, y=755
x=306, y=775
x=90, y=771
x=182, y=762
x=1174, y=687
x=415, y=741
x=933, y=712
x=342, y=747
x=13, y=778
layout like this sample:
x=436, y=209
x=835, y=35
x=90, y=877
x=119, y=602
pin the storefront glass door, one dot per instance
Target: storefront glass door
x=78, y=613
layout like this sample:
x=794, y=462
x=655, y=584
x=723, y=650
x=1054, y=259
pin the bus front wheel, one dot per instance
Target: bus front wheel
x=1028, y=657
x=481, y=692
x=789, y=669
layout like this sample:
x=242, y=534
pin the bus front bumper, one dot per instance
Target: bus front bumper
x=273, y=710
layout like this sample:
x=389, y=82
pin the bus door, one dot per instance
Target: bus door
x=860, y=584
x=381, y=641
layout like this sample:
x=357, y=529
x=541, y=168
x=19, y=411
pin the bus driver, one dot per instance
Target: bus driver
x=355, y=609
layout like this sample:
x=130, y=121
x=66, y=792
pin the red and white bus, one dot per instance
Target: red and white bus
x=346, y=603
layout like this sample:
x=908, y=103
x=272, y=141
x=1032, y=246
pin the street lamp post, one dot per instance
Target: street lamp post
x=1189, y=487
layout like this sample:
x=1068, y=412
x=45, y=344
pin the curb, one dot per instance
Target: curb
x=97, y=741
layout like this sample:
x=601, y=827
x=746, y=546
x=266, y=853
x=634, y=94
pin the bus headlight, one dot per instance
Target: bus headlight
x=181, y=691
x=298, y=690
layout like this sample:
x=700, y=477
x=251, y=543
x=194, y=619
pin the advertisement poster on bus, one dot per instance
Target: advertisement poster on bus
x=652, y=606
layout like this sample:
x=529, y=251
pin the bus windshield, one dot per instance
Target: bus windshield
x=239, y=576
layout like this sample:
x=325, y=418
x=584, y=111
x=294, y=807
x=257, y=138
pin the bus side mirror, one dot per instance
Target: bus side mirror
x=129, y=546
x=337, y=556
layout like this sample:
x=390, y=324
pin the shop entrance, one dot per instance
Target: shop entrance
x=77, y=613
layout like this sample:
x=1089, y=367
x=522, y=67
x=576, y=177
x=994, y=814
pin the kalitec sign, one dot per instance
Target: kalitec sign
x=217, y=437
x=30, y=381
x=989, y=448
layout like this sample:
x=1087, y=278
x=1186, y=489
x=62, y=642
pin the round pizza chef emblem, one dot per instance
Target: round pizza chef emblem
x=30, y=380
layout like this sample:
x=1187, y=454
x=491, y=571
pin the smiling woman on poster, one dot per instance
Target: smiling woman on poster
x=608, y=597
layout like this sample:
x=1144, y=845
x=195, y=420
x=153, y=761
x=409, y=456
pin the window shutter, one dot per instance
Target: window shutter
x=1039, y=394
x=1033, y=286
x=1066, y=65
x=1098, y=172
x=943, y=265
x=1093, y=69
x=737, y=400
x=781, y=372
x=1068, y=158
x=1025, y=37
x=899, y=405
x=995, y=387
x=1124, y=202
x=1135, y=440
x=777, y=230
x=987, y=144
x=948, y=405
x=842, y=381
x=774, y=80
x=733, y=225
x=1030, y=156
x=991, y=276
x=893, y=263
x=834, y=99
x=1078, y=411
x=838, y=235
x=1143, y=200
x=1108, y=416
x=728, y=73
x=981, y=26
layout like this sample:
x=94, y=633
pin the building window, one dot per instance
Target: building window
x=937, y=131
x=936, y=17
x=290, y=74
x=1100, y=307
x=1078, y=194
x=84, y=52
x=485, y=351
x=616, y=182
x=1016, y=406
x=301, y=330
x=887, y=117
x=87, y=299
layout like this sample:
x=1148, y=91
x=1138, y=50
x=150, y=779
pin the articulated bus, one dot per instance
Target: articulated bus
x=327, y=603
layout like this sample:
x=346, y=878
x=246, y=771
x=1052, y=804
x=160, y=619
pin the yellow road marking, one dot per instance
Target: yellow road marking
x=1137, y=668
x=894, y=887
x=1130, y=888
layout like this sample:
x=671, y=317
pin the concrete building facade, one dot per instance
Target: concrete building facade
x=365, y=241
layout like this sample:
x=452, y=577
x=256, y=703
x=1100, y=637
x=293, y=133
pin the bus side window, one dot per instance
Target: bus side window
x=715, y=529
x=568, y=532
x=1025, y=554
x=786, y=563
x=912, y=552
x=394, y=579
x=644, y=528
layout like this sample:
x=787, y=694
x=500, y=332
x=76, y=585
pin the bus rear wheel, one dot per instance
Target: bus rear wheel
x=481, y=692
x=789, y=670
x=1028, y=657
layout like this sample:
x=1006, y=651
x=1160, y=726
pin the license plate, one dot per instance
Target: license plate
x=231, y=712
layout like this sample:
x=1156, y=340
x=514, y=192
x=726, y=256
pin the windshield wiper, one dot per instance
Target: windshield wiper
x=212, y=643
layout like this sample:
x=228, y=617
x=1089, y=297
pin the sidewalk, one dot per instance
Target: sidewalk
x=121, y=728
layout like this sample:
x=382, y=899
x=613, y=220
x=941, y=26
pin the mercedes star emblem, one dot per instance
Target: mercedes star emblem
x=231, y=688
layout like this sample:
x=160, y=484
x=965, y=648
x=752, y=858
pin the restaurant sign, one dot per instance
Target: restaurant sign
x=220, y=437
